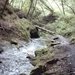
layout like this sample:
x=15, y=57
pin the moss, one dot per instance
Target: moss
x=42, y=57
x=24, y=26
x=41, y=52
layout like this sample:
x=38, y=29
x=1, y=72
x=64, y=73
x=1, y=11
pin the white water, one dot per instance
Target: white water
x=14, y=59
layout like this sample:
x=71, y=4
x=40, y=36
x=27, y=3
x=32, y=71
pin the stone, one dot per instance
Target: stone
x=13, y=42
x=34, y=33
x=0, y=61
x=31, y=57
x=55, y=37
x=54, y=43
x=72, y=40
x=54, y=61
x=1, y=50
x=38, y=70
x=22, y=74
x=34, y=63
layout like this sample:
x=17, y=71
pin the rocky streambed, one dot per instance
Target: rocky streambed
x=14, y=61
x=57, y=59
x=52, y=56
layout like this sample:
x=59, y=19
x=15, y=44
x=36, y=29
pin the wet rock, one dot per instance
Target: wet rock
x=13, y=42
x=54, y=43
x=34, y=63
x=38, y=70
x=55, y=37
x=22, y=74
x=41, y=52
x=1, y=50
x=0, y=61
x=31, y=57
x=34, y=33
x=72, y=40
x=53, y=61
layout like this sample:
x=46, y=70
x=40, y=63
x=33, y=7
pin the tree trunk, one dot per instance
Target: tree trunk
x=6, y=2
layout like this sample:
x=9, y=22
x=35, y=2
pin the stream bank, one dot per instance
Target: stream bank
x=53, y=55
x=57, y=59
x=14, y=61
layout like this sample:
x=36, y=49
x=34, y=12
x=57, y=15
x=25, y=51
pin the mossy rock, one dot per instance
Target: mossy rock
x=38, y=70
x=14, y=42
x=54, y=42
x=72, y=40
x=31, y=57
x=42, y=55
x=55, y=37
x=41, y=52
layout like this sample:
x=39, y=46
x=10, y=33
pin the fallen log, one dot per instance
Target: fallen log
x=37, y=23
x=51, y=32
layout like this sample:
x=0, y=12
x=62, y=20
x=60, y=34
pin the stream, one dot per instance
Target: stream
x=14, y=58
x=14, y=61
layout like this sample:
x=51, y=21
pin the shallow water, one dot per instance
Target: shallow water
x=14, y=61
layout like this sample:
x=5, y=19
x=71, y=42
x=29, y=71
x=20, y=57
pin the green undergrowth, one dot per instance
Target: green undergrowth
x=64, y=25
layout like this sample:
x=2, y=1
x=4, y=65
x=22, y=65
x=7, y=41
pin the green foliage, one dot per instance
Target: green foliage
x=64, y=25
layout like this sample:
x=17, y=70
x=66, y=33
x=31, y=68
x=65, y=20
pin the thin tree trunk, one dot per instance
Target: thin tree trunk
x=42, y=8
x=62, y=3
x=4, y=7
x=57, y=5
x=47, y=6
x=31, y=2
x=34, y=7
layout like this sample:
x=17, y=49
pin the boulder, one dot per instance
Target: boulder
x=22, y=74
x=1, y=50
x=34, y=33
x=38, y=70
x=13, y=42
x=31, y=57
x=54, y=43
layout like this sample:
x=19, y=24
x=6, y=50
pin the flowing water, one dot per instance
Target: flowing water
x=14, y=61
